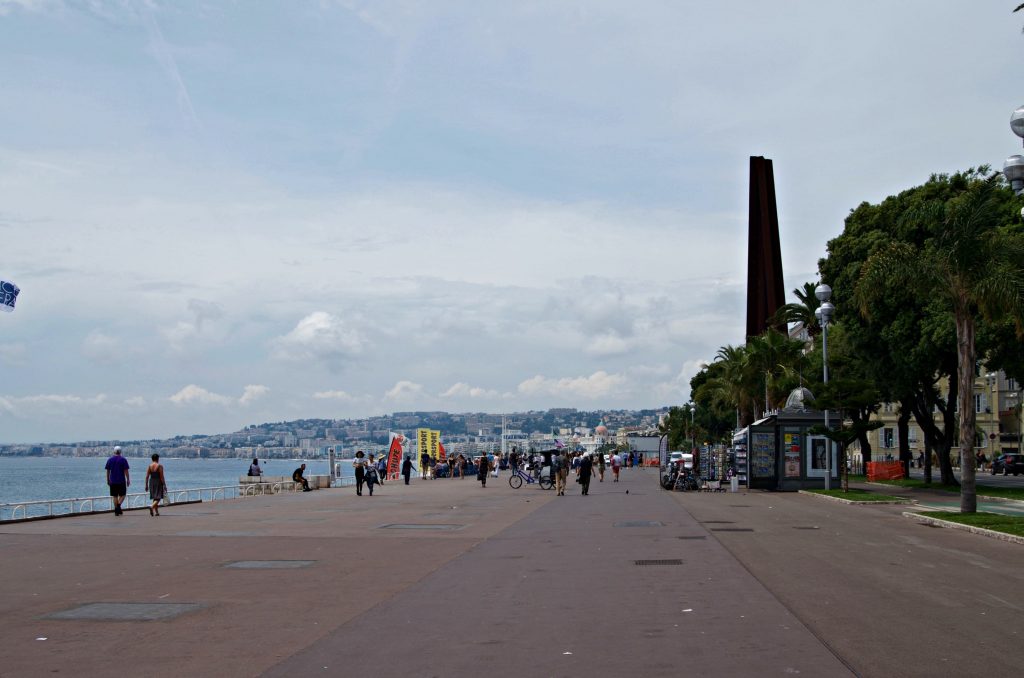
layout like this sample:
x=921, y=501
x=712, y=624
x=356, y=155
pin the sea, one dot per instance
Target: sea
x=48, y=478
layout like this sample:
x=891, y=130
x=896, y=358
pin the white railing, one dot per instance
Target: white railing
x=65, y=507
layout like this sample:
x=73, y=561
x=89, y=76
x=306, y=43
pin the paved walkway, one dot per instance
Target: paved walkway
x=508, y=582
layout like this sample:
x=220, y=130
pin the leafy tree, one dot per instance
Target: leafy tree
x=975, y=267
x=850, y=397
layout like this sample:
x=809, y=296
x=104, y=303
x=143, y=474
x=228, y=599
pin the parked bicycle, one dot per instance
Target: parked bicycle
x=517, y=478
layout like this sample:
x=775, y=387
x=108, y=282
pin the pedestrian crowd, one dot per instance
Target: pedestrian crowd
x=370, y=472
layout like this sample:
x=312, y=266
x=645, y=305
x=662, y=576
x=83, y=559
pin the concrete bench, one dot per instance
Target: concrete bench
x=267, y=484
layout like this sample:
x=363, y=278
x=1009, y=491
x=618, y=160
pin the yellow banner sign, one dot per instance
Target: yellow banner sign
x=423, y=440
x=435, y=439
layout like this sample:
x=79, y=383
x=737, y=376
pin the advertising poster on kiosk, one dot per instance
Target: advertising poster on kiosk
x=791, y=445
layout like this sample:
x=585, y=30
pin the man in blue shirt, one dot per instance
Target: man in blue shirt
x=118, y=479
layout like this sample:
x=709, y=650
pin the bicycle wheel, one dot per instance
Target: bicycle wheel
x=515, y=481
x=546, y=483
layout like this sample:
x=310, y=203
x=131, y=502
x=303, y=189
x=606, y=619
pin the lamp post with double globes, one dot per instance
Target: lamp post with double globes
x=824, y=314
x=1013, y=168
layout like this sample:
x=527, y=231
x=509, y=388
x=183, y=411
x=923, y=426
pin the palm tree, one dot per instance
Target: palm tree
x=802, y=312
x=773, y=355
x=972, y=264
x=731, y=383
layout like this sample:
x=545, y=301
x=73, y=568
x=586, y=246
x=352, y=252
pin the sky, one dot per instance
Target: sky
x=225, y=213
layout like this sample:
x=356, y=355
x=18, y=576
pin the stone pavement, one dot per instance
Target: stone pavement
x=445, y=578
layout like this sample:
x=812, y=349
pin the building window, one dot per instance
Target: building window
x=887, y=438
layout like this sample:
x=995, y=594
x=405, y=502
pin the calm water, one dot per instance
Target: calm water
x=38, y=478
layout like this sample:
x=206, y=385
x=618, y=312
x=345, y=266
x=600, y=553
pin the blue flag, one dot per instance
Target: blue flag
x=8, y=295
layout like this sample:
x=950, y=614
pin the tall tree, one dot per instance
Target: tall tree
x=976, y=268
x=801, y=312
x=773, y=356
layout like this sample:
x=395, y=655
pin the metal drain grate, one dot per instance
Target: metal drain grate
x=421, y=526
x=125, y=611
x=670, y=561
x=269, y=564
x=732, y=529
x=805, y=527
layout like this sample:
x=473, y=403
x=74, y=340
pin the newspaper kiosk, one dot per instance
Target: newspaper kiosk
x=780, y=451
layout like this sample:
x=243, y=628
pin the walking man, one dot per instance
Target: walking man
x=586, y=470
x=561, y=469
x=407, y=468
x=425, y=465
x=118, y=479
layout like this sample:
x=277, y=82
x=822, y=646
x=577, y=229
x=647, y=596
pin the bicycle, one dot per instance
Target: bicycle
x=515, y=480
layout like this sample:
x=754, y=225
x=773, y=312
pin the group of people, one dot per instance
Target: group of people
x=298, y=475
x=457, y=467
x=370, y=472
x=119, y=480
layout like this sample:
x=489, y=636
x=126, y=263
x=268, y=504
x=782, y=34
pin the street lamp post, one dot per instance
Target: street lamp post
x=1013, y=168
x=824, y=315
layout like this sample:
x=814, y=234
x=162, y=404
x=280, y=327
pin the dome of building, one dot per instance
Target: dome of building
x=601, y=430
x=800, y=399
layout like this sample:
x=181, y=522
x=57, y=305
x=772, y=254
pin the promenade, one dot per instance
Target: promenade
x=445, y=578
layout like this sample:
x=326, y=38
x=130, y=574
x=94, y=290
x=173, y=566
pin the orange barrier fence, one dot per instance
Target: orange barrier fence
x=884, y=470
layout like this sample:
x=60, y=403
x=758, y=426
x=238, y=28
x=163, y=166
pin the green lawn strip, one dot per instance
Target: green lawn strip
x=982, y=490
x=990, y=521
x=857, y=495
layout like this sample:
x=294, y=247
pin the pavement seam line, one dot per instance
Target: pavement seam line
x=810, y=629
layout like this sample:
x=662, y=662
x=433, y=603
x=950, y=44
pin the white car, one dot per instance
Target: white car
x=674, y=458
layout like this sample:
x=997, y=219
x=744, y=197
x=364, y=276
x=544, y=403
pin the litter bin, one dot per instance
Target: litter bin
x=734, y=484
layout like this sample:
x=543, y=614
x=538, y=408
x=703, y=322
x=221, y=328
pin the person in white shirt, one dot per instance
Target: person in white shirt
x=359, y=463
x=616, y=465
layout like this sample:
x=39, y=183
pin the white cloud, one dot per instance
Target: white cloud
x=597, y=385
x=464, y=390
x=253, y=392
x=193, y=394
x=333, y=395
x=49, y=404
x=404, y=391
x=319, y=336
x=197, y=394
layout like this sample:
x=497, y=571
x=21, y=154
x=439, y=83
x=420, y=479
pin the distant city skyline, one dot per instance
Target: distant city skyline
x=455, y=427
x=221, y=213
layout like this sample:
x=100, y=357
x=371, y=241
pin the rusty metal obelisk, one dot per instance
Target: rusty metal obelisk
x=765, y=293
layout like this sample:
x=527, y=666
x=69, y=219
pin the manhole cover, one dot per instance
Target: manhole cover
x=639, y=523
x=696, y=536
x=732, y=529
x=670, y=561
x=125, y=611
x=421, y=526
x=269, y=564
